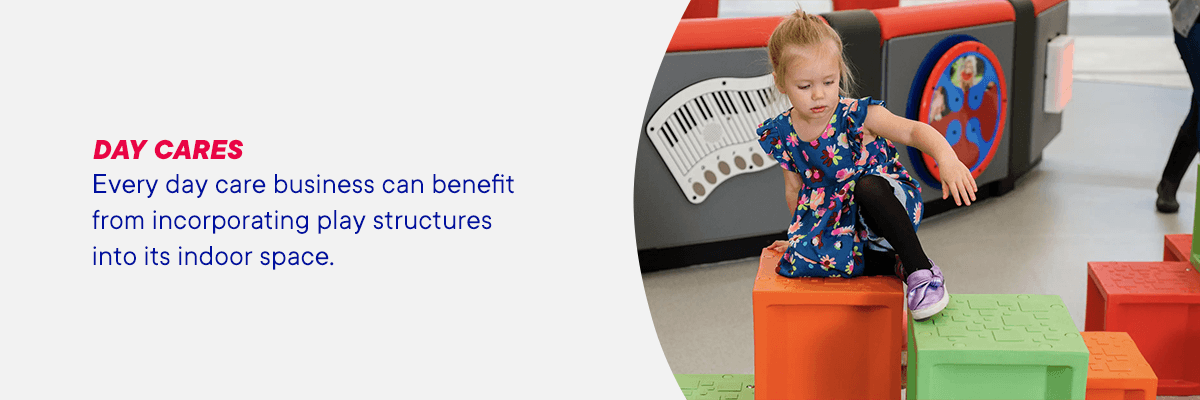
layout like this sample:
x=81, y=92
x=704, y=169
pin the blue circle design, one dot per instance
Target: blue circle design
x=954, y=132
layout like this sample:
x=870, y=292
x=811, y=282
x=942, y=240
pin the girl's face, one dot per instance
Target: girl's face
x=811, y=80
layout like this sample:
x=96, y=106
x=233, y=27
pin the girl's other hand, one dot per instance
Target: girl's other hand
x=779, y=246
x=958, y=182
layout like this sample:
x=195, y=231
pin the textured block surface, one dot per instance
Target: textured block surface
x=1117, y=369
x=1158, y=305
x=716, y=387
x=826, y=338
x=1172, y=279
x=997, y=347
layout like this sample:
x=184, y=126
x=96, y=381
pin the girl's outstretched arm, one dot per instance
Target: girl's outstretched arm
x=956, y=178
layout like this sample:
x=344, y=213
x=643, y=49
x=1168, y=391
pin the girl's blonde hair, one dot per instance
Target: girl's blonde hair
x=803, y=29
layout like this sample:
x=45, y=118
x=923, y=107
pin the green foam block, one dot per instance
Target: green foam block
x=716, y=387
x=1195, y=259
x=997, y=347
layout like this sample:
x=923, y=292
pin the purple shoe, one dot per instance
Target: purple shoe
x=927, y=293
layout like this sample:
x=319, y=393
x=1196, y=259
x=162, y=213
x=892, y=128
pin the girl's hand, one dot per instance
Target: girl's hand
x=957, y=181
x=779, y=246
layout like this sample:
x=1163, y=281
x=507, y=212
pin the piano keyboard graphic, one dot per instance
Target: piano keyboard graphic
x=706, y=132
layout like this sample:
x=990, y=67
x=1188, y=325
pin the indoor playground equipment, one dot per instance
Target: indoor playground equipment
x=1158, y=304
x=991, y=75
x=1141, y=338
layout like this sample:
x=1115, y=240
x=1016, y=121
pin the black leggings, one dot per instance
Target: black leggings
x=888, y=219
x=1185, y=148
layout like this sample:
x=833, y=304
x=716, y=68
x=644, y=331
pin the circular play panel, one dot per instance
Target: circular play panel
x=963, y=97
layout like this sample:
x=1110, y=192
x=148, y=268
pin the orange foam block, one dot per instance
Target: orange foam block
x=826, y=338
x=1177, y=247
x=1158, y=304
x=1117, y=370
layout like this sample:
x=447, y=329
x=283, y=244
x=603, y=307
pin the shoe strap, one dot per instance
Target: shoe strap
x=919, y=289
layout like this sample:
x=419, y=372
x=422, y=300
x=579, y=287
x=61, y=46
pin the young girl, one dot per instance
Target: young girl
x=856, y=209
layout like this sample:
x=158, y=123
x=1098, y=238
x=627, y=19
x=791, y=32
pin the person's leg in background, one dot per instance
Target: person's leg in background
x=1187, y=142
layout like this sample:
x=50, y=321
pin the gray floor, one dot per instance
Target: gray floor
x=1091, y=199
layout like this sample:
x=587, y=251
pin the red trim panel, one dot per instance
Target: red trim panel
x=722, y=33
x=839, y=5
x=904, y=21
x=701, y=9
x=1042, y=5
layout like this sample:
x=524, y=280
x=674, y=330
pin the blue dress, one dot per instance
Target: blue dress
x=827, y=236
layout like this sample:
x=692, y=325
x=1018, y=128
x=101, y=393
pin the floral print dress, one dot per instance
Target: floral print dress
x=827, y=237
